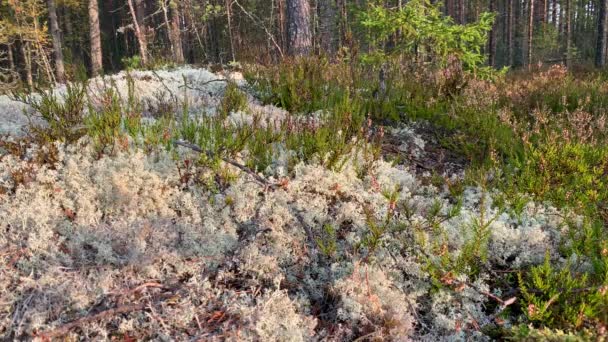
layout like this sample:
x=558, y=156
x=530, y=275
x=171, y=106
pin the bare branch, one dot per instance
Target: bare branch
x=263, y=181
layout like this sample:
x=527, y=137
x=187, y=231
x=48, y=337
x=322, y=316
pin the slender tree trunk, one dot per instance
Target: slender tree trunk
x=11, y=57
x=282, y=23
x=462, y=16
x=568, y=28
x=299, y=32
x=540, y=11
x=56, y=36
x=27, y=58
x=230, y=37
x=492, y=38
x=176, y=35
x=602, y=34
x=96, y=57
x=165, y=9
x=141, y=38
x=328, y=26
x=554, y=17
x=510, y=31
x=530, y=32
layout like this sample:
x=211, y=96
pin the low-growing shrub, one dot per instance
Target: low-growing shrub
x=234, y=100
x=63, y=115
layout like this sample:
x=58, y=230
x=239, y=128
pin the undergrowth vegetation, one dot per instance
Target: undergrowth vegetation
x=541, y=134
x=302, y=214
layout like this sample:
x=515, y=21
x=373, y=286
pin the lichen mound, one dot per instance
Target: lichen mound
x=175, y=260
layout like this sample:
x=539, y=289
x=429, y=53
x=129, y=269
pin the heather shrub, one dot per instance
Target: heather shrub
x=63, y=115
x=234, y=100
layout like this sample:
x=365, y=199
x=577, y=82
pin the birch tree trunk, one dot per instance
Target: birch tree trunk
x=299, y=32
x=56, y=37
x=95, y=35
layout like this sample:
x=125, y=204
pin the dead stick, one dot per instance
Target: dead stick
x=243, y=168
x=64, y=329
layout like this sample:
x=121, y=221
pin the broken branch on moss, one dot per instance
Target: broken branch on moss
x=263, y=181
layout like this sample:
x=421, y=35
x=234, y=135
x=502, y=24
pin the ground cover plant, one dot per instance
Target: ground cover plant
x=403, y=191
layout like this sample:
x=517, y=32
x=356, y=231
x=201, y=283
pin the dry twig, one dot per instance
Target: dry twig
x=263, y=181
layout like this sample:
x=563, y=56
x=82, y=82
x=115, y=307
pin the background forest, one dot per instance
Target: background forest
x=47, y=40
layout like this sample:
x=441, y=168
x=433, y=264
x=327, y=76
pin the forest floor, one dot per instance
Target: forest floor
x=143, y=242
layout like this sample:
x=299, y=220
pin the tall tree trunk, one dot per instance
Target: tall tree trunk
x=568, y=28
x=328, y=26
x=530, y=32
x=56, y=36
x=176, y=35
x=602, y=34
x=282, y=23
x=27, y=58
x=94, y=32
x=554, y=18
x=230, y=37
x=299, y=33
x=510, y=31
x=462, y=15
x=492, y=38
x=11, y=57
x=141, y=37
x=540, y=10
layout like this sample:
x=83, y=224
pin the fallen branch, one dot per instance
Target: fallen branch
x=203, y=84
x=263, y=181
x=64, y=329
x=121, y=309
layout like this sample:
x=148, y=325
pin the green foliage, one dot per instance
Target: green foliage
x=132, y=63
x=561, y=297
x=424, y=34
x=63, y=115
x=104, y=121
x=327, y=241
x=570, y=174
x=234, y=100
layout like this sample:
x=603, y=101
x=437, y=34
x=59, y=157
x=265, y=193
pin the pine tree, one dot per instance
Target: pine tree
x=298, y=27
x=95, y=36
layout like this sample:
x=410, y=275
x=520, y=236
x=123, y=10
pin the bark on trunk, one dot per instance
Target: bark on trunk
x=462, y=16
x=176, y=32
x=568, y=29
x=141, y=37
x=492, y=38
x=230, y=37
x=328, y=26
x=510, y=31
x=602, y=34
x=95, y=35
x=27, y=58
x=56, y=37
x=299, y=32
x=530, y=32
x=11, y=57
